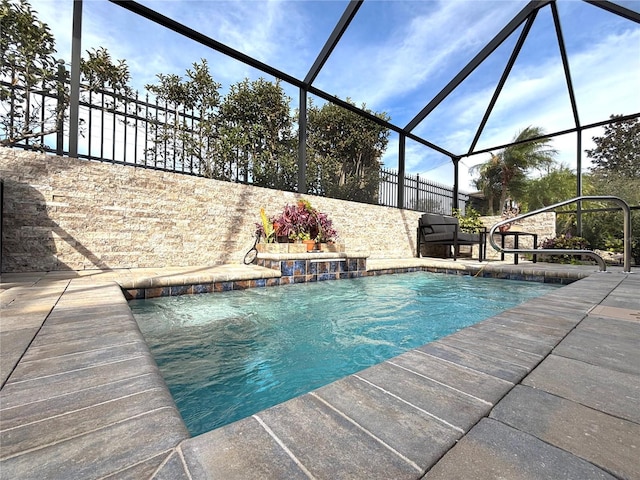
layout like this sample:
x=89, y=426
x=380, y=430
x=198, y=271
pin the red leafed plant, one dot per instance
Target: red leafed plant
x=297, y=222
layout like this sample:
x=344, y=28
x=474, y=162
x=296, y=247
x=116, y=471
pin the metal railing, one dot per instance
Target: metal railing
x=420, y=194
x=551, y=251
x=132, y=130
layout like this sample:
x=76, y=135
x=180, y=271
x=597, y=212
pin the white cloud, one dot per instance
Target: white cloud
x=431, y=40
x=260, y=29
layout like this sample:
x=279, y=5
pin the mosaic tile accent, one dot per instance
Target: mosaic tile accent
x=322, y=267
x=203, y=288
x=299, y=267
x=311, y=270
x=181, y=290
x=157, y=292
x=534, y=278
x=287, y=268
x=326, y=276
x=134, y=294
x=223, y=286
x=305, y=271
x=292, y=271
x=243, y=284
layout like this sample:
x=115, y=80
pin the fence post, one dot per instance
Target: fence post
x=302, y=142
x=579, y=181
x=401, y=159
x=76, y=48
x=456, y=181
x=59, y=110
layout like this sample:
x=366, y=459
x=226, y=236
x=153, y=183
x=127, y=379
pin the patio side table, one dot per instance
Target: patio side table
x=516, y=236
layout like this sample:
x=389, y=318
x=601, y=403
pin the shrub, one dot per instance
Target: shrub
x=470, y=222
x=565, y=242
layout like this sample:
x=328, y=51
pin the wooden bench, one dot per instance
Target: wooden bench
x=437, y=229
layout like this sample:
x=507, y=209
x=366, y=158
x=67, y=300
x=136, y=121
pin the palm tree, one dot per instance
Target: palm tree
x=489, y=181
x=506, y=171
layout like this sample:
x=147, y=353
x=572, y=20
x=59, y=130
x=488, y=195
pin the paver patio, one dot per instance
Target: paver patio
x=548, y=389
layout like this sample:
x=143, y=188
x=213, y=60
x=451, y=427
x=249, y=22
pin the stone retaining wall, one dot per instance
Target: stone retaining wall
x=62, y=213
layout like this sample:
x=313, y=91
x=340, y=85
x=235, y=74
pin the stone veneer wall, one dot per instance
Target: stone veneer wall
x=61, y=213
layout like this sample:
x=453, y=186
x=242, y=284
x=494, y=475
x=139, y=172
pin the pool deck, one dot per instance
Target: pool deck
x=549, y=389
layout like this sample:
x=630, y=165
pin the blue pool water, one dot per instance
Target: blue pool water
x=226, y=356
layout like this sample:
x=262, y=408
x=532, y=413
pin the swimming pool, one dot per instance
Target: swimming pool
x=228, y=355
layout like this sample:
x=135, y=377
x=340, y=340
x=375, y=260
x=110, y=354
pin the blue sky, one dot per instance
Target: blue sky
x=395, y=57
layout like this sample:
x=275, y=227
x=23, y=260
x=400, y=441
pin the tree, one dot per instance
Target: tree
x=181, y=138
x=507, y=170
x=557, y=185
x=35, y=97
x=27, y=47
x=246, y=135
x=99, y=72
x=618, y=150
x=344, y=151
x=603, y=229
x=489, y=182
x=257, y=134
x=615, y=171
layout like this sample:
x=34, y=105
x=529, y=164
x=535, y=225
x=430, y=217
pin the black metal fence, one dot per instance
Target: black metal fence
x=419, y=194
x=132, y=131
x=113, y=128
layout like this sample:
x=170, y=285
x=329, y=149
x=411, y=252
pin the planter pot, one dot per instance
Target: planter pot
x=310, y=244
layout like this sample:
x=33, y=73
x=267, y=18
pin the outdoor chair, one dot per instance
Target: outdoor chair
x=436, y=229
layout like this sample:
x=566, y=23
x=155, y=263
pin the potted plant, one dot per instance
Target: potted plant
x=268, y=229
x=305, y=238
x=327, y=235
x=470, y=222
x=299, y=223
x=267, y=232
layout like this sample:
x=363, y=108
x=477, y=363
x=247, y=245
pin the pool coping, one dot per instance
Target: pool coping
x=81, y=430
